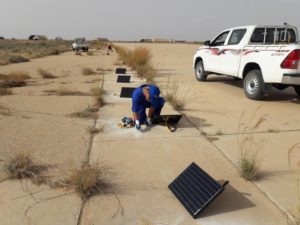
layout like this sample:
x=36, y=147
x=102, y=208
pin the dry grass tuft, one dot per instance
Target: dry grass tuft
x=250, y=147
x=140, y=56
x=88, y=113
x=45, y=74
x=17, y=59
x=13, y=79
x=90, y=53
x=87, y=181
x=20, y=165
x=146, y=72
x=140, y=60
x=97, y=93
x=87, y=71
x=78, y=53
x=173, y=95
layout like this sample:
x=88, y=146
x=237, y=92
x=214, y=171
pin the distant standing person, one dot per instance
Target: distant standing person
x=143, y=97
x=109, y=49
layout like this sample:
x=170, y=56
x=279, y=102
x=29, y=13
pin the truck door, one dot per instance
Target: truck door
x=212, y=56
x=231, y=53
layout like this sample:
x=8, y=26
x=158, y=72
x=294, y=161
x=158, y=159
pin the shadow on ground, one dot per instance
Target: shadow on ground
x=192, y=122
x=228, y=201
x=286, y=96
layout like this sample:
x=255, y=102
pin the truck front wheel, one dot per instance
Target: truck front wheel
x=254, y=85
x=200, y=72
x=297, y=89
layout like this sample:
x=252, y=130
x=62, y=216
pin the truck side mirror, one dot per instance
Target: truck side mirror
x=207, y=43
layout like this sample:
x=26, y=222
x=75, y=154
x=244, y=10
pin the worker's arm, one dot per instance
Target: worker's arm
x=151, y=111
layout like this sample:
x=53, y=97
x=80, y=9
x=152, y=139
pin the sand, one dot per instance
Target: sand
x=143, y=164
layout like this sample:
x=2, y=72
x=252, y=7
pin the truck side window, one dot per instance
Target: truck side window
x=270, y=35
x=258, y=35
x=220, y=40
x=283, y=36
x=236, y=36
x=290, y=36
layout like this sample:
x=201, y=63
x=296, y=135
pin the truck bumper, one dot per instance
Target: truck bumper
x=291, y=78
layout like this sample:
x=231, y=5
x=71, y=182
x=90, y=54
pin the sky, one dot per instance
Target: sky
x=132, y=20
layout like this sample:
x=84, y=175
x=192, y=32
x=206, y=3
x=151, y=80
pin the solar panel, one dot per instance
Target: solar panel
x=172, y=119
x=126, y=92
x=195, y=189
x=121, y=71
x=123, y=79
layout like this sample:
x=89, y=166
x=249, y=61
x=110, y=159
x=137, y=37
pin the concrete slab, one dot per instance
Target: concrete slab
x=277, y=178
x=25, y=203
x=143, y=168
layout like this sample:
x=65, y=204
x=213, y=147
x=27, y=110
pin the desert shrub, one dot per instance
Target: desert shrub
x=20, y=165
x=90, y=53
x=53, y=51
x=87, y=181
x=97, y=93
x=146, y=72
x=174, y=95
x=29, y=49
x=140, y=60
x=14, y=79
x=45, y=74
x=87, y=71
x=250, y=146
x=140, y=56
x=17, y=59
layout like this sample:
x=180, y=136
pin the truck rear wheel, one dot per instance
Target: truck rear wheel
x=297, y=89
x=254, y=85
x=200, y=72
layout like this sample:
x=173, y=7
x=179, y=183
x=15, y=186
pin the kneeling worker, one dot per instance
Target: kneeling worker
x=146, y=96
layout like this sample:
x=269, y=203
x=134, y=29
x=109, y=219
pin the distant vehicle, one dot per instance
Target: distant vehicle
x=2, y=38
x=263, y=56
x=80, y=44
x=35, y=37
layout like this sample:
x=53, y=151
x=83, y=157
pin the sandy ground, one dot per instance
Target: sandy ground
x=143, y=164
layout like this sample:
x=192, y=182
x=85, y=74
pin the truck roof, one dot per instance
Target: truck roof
x=255, y=26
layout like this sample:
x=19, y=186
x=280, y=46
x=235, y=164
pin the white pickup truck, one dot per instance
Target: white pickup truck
x=263, y=56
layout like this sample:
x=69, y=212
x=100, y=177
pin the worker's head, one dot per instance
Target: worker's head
x=153, y=96
x=146, y=92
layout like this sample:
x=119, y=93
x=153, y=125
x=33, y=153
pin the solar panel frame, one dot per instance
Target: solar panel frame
x=195, y=189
